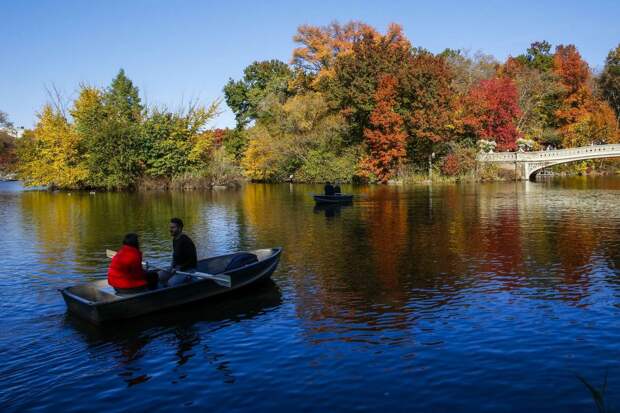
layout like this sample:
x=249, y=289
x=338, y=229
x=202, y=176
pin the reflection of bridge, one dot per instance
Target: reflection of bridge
x=527, y=164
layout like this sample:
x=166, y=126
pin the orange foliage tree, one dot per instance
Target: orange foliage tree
x=385, y=136
x=582, y=118
x=574, y=75
x=320, y=46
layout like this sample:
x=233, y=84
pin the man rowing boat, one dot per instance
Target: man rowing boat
x=183, y=252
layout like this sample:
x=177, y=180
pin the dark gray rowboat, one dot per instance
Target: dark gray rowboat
x=98, y=302
x=333, y=199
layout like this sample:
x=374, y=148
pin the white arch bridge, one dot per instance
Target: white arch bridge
x=527, y=164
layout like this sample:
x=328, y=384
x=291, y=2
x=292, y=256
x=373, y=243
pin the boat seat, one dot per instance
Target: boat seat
x=241, y=259
x=107, y=289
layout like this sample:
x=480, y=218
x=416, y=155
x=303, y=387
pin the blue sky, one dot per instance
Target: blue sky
x=176, y=51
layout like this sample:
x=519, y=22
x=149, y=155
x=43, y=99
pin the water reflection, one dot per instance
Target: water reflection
x=392, y=243
x=330, y=210
x=489, y=282
x=401, y=249
x=184, y=328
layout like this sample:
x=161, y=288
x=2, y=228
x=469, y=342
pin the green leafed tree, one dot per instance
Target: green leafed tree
x=122, y=99
x=538, y=56
x=609, y=81
x=260, y=79
x=109, y=124
x=174, y=143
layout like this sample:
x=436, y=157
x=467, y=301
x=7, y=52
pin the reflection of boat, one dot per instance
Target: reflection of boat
x=184, y=327
x=98, y=302
x=235, y=306
x=330, y=210
x=333, y=199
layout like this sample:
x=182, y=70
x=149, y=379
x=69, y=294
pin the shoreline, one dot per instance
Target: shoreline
x=409, y=181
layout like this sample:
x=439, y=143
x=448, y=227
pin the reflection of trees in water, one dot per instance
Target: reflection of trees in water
x=401, y=249
x=74, y=229
x=184, y=328
x=393, y=250
x=547, y=235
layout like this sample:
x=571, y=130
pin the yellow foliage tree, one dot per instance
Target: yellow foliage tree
x=51, y=154
x=262, y=159
x=596, y=126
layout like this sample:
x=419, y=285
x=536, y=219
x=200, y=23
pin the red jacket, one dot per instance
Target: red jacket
x=126, y=269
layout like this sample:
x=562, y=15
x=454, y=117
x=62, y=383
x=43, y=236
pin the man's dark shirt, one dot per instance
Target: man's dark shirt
x=184, y=252
x=329, y=190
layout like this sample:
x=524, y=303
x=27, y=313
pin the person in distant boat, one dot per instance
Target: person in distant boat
x=329, y=189
x=337, y=190
x=126, y=273
x=183, y=252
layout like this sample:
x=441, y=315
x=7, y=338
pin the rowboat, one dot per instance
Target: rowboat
x=333, y=199
x=99, y=303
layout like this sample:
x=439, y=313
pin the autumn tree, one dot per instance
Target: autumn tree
x=354, y=82
x=424, y=94
x=427, y=103
x=7, y=143
x=596, y=125
x=303, y=139
x=581, y=117
x=491, y=110
x=4, y=121
x=468, y=69
x=385, y=136
x=574, y=75
x=539, y=96
x=320, y=46
x=52, y=154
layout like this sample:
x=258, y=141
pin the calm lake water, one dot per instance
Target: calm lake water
x=455, y=298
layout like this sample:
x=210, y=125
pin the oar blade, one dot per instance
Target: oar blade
x=223, y=280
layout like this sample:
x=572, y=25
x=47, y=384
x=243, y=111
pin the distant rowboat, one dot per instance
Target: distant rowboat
x=333, y=199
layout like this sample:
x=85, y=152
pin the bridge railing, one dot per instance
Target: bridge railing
x=552, y=155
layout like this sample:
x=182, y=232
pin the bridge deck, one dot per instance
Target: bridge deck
x=571, y=154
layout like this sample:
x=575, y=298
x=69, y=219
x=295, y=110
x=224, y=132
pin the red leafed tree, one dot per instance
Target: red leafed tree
x=491, y=109
x=385, y=136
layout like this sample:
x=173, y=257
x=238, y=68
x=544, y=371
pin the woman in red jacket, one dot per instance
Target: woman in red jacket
x=126, y=273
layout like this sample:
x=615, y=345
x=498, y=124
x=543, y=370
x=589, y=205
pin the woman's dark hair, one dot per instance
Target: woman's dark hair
x=177, y=221
x=131, y=240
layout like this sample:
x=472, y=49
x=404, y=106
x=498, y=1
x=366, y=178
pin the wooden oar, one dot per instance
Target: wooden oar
x=221, y=279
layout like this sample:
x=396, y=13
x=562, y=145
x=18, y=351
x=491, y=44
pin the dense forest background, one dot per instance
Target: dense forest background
x=352, y=105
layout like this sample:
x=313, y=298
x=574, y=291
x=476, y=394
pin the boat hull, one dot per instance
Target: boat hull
x=98, y=303
x=333, y=199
